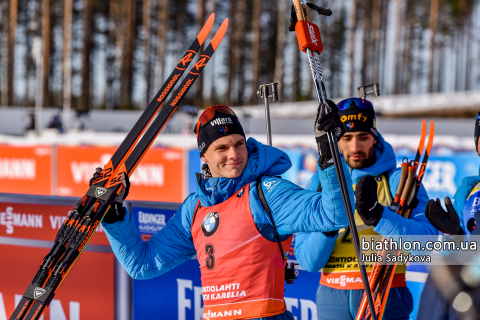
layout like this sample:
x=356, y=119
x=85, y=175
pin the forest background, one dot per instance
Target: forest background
x=98, y=54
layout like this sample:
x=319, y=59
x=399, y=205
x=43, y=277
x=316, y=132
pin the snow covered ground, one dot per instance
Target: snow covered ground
x=287, y=118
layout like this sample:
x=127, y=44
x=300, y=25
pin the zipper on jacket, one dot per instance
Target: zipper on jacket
x=214, y=189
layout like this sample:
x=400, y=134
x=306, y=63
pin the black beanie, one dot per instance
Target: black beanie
x=477, y=130
x=358, y=115
x=220, y=126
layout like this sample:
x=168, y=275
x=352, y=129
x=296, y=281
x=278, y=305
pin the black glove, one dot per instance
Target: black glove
x=445, y=221
x=324, y=123
x=293, y=19
x=330, y=233
x=473, y=227
x=116, y=212
x=366, y=201
x=95, y=176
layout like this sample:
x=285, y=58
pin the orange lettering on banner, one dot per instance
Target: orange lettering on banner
x=26, y=170
x=159, y=177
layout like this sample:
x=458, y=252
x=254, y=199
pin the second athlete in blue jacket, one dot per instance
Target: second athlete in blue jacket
x=374, y=173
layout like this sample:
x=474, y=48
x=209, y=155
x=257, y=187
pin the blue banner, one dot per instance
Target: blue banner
x=194, y=166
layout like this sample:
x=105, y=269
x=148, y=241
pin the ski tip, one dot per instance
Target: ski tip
x=431, y=134
x=203, y=34
x=422, y=137
x=219, y=35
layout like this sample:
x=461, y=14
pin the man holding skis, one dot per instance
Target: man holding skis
x=239, y=222
x=374, y=175
x=459, y=219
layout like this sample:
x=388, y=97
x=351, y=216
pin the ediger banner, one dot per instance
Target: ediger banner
x=159, y=176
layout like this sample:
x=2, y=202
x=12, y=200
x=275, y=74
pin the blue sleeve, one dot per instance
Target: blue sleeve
x=297, y=210
x=312, y=185
x=165, y=250
x=460, y=198
x=313, y=250
x=392, y=223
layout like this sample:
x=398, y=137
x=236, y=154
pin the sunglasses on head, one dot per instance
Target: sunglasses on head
x=358, y=102
x=209, y=114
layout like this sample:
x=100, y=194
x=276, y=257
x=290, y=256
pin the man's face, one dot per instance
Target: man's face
x=227, y=156
x=478, y=147
x=357, y=148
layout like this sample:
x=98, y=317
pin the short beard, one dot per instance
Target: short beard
x=364, y=163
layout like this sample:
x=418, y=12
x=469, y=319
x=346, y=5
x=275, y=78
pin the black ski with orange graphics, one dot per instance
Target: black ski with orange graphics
x=87, y=214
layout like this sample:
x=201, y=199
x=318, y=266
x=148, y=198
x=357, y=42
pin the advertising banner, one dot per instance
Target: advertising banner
x=27, y=231
x=151, y=220
x=445, y=172
x=445, y=169
x=38, y=221
x=194, y=165
x=159, y=177
x=87, y=292
x=26, y=170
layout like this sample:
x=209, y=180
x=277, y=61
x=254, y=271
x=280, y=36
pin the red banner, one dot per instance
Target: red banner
x=159, y=177
x=26, y=170
x=86, y=293
x=40, y=222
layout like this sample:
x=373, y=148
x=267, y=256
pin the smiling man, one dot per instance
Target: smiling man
x=239, y=222
x=374, y=175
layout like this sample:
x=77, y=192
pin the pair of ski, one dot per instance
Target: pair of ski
x=381, y=276
x=87, y=214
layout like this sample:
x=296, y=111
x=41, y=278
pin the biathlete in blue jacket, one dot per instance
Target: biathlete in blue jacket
x=226, y=226
x=375, y=175
x=459, y=219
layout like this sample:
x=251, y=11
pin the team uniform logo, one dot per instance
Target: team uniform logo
x=210, y=224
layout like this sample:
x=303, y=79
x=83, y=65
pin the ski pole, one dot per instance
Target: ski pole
x=309, y=40
x=265, y=91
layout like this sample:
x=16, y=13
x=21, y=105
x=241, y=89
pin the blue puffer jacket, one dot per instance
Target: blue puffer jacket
x=460, y=199
x=293, y=208
x=314, y=249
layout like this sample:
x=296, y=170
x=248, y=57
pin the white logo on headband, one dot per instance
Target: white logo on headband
x=221, y=121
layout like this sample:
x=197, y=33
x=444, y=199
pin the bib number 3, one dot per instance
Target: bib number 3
x=210, y=259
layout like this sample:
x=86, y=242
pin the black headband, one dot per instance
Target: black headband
x=220, y=126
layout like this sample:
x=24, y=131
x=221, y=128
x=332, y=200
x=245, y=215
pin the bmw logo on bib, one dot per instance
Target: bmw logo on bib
x=210, y=224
